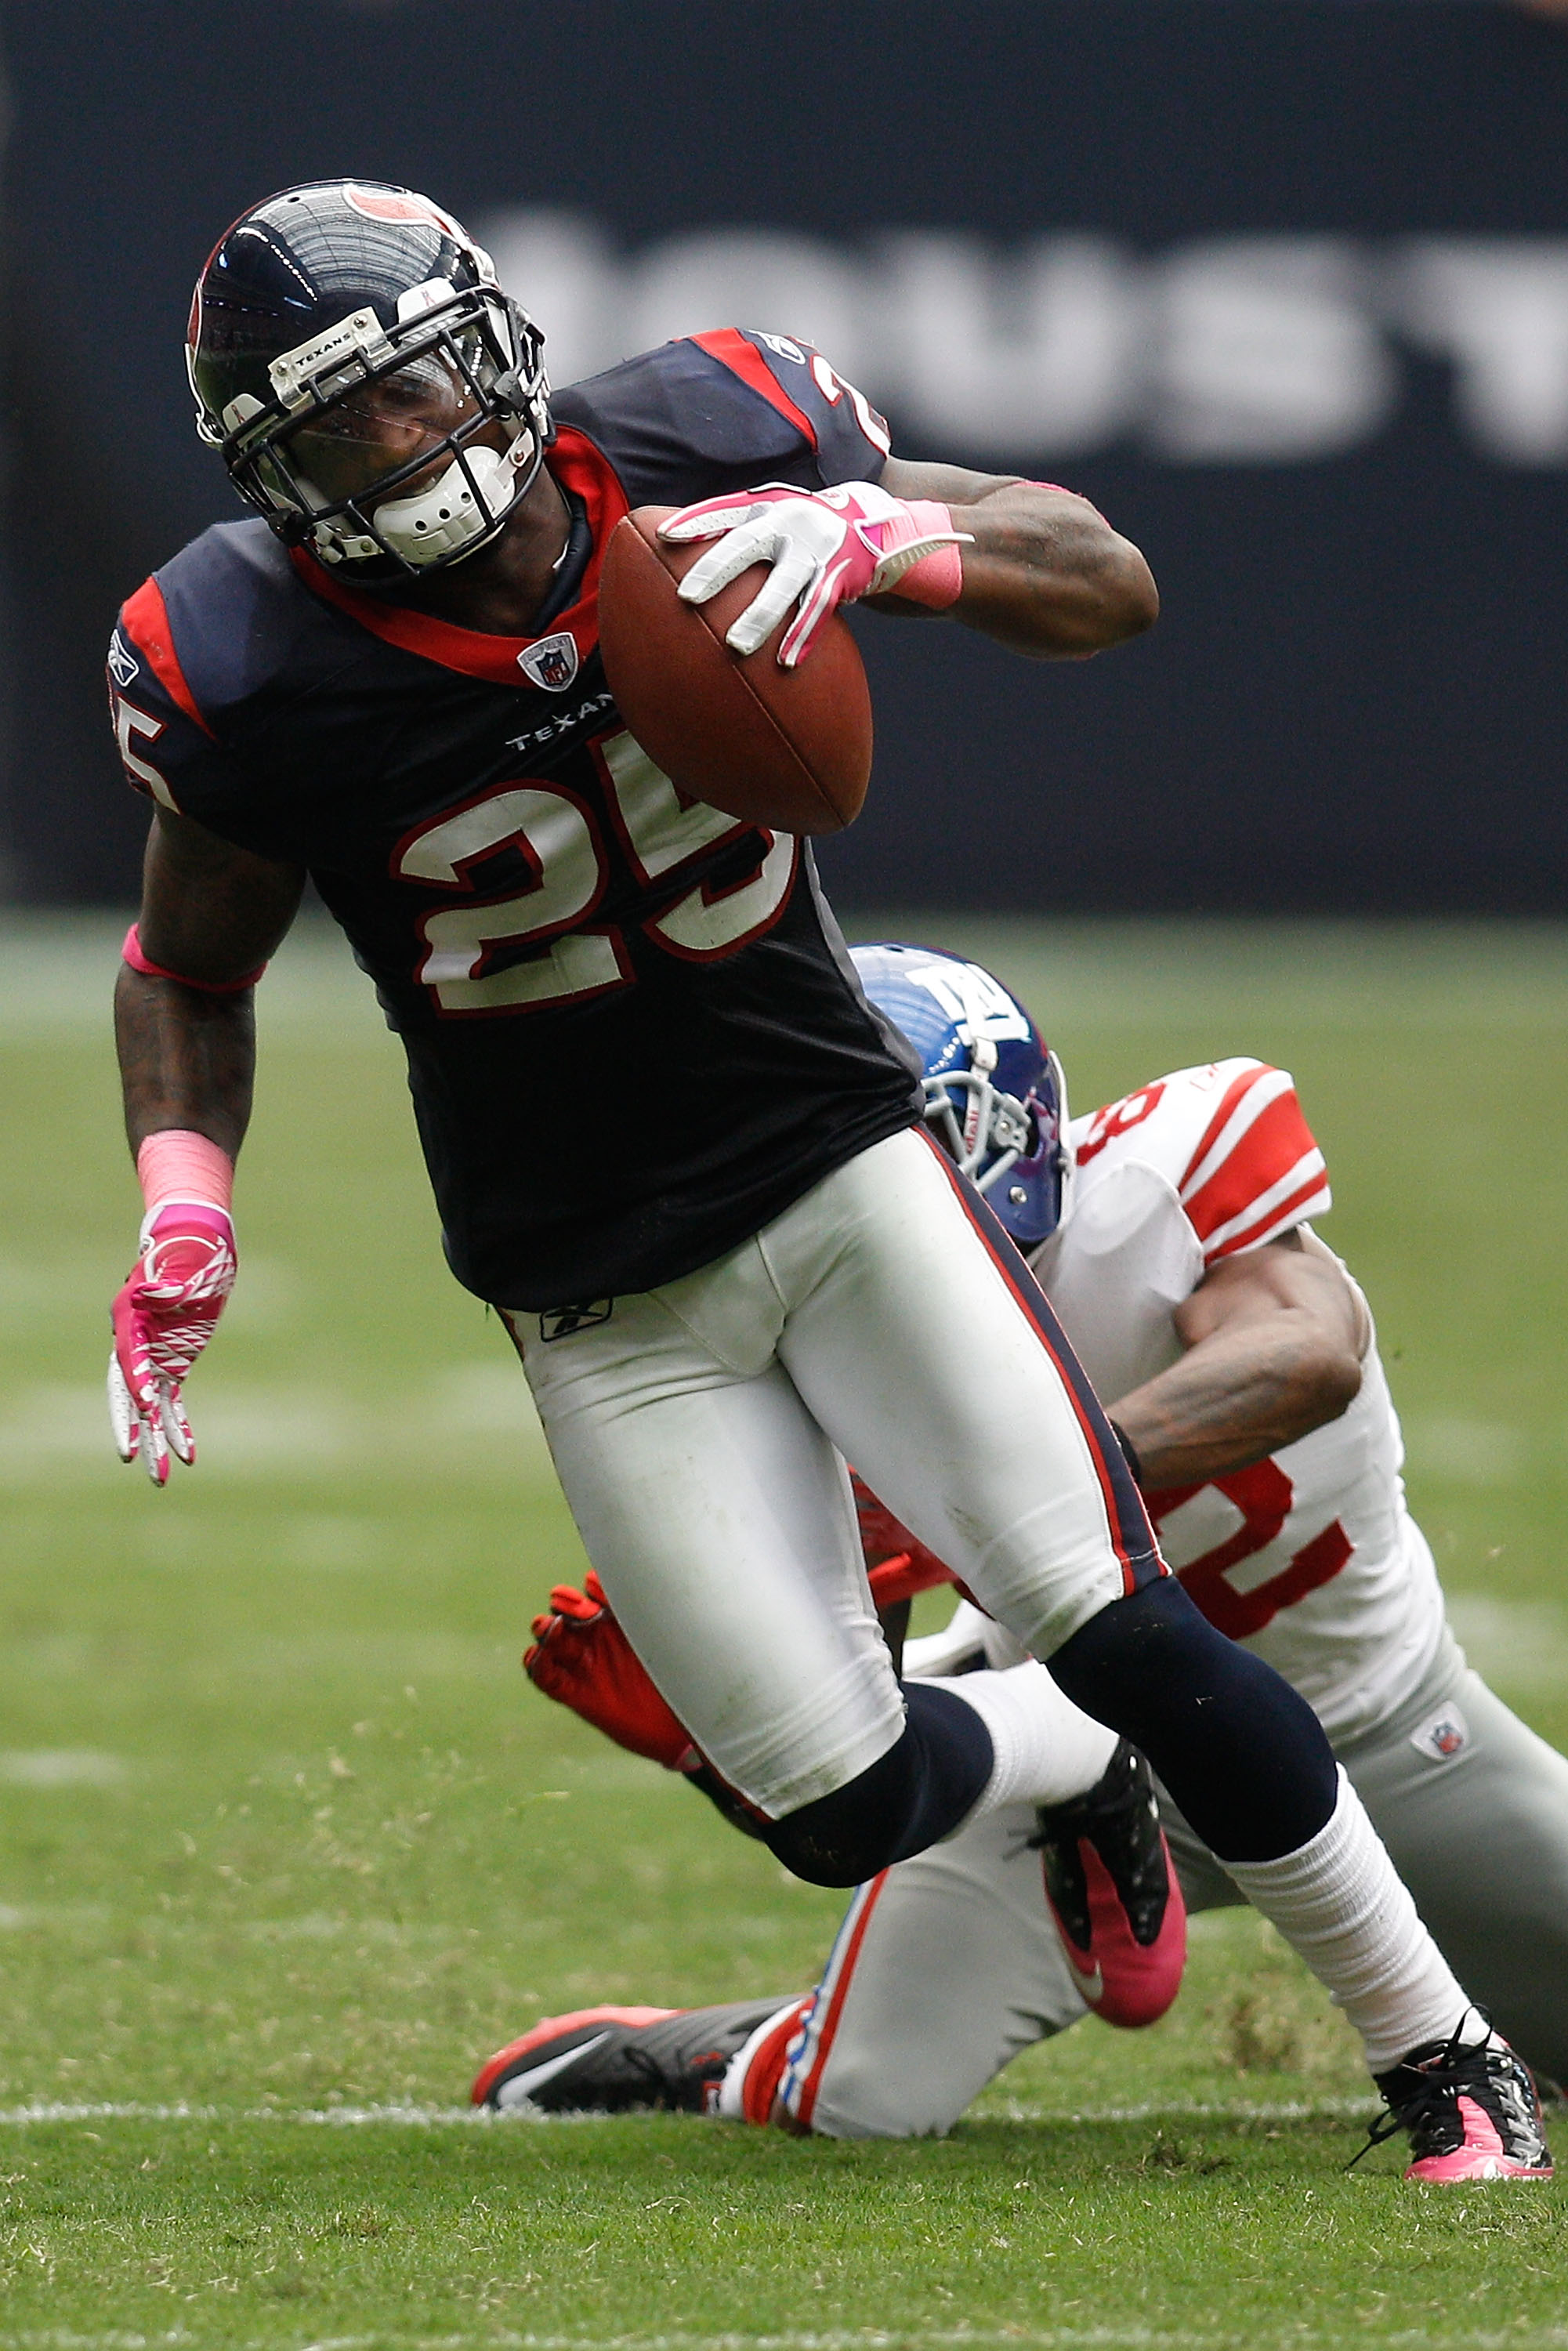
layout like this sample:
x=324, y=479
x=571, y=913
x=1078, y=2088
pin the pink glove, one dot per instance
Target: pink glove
x=826, y=548
x=162, y=1318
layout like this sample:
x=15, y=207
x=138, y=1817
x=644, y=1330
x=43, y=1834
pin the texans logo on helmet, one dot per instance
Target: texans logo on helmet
x=552, y=661
x=401, y=205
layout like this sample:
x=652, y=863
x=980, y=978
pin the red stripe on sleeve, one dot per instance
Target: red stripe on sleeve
x=145, y=617
x=1228, y=1099
x=1277, y=1139
x=1275, y=1219
x=730, y=347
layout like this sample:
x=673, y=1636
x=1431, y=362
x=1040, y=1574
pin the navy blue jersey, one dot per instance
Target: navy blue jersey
x=633, y=1034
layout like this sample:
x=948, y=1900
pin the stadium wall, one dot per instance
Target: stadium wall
x=1282, y=283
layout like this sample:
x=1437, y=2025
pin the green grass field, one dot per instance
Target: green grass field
x=289, y=1844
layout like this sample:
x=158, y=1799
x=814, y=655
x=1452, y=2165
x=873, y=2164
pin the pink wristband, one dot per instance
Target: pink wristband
x=131, y=953
x=937, y=580
x=176, y=1164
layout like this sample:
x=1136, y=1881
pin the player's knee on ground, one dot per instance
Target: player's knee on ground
x=1242, y=1754
x=910, y=1798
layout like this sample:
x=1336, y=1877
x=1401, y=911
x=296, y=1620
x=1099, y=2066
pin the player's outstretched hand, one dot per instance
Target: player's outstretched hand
x=162, y=1318
x=824, y=548
x=583, y=1659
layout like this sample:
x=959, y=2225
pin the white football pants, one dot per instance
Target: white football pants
x=948, y=1965
x=700, y=1433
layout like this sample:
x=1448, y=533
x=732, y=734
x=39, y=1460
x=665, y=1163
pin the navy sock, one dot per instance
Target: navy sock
x=1242, y=1754
x=910, y=1797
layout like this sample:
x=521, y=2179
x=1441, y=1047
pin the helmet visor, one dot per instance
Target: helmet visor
x=378, y=427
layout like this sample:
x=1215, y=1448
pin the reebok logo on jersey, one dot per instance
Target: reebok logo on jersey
x=123, y=664
x=552, y=661
x=1443, y=1735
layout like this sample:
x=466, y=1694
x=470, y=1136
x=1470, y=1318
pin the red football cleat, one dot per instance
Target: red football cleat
x=1113, y=1893
x=608, y=2060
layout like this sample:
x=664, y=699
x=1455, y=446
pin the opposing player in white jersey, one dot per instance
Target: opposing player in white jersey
x=1249, y=1389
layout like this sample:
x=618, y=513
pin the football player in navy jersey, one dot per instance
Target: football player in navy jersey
x=669, y=1137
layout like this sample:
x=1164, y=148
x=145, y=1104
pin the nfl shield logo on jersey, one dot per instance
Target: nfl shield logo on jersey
x=552, y=661
x=1443, y=1735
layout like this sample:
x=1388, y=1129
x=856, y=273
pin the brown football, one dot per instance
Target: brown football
x=788, y=748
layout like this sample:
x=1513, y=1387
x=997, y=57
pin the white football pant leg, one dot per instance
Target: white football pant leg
x=944, y=1968
x=914, y=1353
x=720, y=1522
x=693, y=1432
x=1481, y=1837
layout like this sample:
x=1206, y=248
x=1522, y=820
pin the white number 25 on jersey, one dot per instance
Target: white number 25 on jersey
x=557, y=837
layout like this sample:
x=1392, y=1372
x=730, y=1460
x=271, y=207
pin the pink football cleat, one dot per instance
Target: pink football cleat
x=1113, y=1893
x=1472, y=2112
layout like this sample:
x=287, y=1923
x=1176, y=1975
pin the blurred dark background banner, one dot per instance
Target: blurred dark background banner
x=1282, y=283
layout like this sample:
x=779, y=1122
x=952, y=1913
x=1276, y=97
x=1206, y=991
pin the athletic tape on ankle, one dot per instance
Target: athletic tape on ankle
x=132, y=953
x=176, y=1164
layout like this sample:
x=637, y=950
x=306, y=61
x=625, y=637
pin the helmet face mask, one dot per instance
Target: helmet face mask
x=996, y=1097
x=418, y=376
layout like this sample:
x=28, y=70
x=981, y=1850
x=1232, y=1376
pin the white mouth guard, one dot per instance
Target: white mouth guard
x=446, y=514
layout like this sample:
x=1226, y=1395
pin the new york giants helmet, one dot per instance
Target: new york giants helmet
x=349, y=342
x=995, y=1092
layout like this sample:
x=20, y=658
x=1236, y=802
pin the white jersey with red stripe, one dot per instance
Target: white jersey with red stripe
x=1311, y=1557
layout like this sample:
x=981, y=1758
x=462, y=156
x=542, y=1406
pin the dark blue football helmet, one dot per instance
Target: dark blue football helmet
x=995, y=1093
x=345, y=338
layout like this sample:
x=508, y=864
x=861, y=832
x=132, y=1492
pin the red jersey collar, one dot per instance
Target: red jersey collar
x=578, y=466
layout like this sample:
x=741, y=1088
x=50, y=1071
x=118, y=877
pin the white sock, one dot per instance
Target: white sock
x=1339, y=1904
x=1046, y=1749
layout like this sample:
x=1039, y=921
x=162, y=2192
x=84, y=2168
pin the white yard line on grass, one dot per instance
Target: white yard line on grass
x=1292, y=2110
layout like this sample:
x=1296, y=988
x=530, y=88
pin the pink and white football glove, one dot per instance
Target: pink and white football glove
x=826, y=548
x=162, y=1318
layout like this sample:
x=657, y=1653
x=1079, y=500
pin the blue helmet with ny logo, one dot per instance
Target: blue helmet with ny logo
x=995, y=1093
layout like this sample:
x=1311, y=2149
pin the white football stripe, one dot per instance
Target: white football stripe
x=427, y=2117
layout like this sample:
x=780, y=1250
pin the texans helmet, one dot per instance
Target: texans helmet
x=347, y=337
x=995, y=1093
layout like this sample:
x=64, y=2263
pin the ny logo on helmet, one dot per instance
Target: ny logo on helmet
x=553, y=662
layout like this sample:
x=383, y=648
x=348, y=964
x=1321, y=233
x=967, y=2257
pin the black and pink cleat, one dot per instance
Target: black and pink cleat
x=1473, y=2113
x=1113, y=1893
